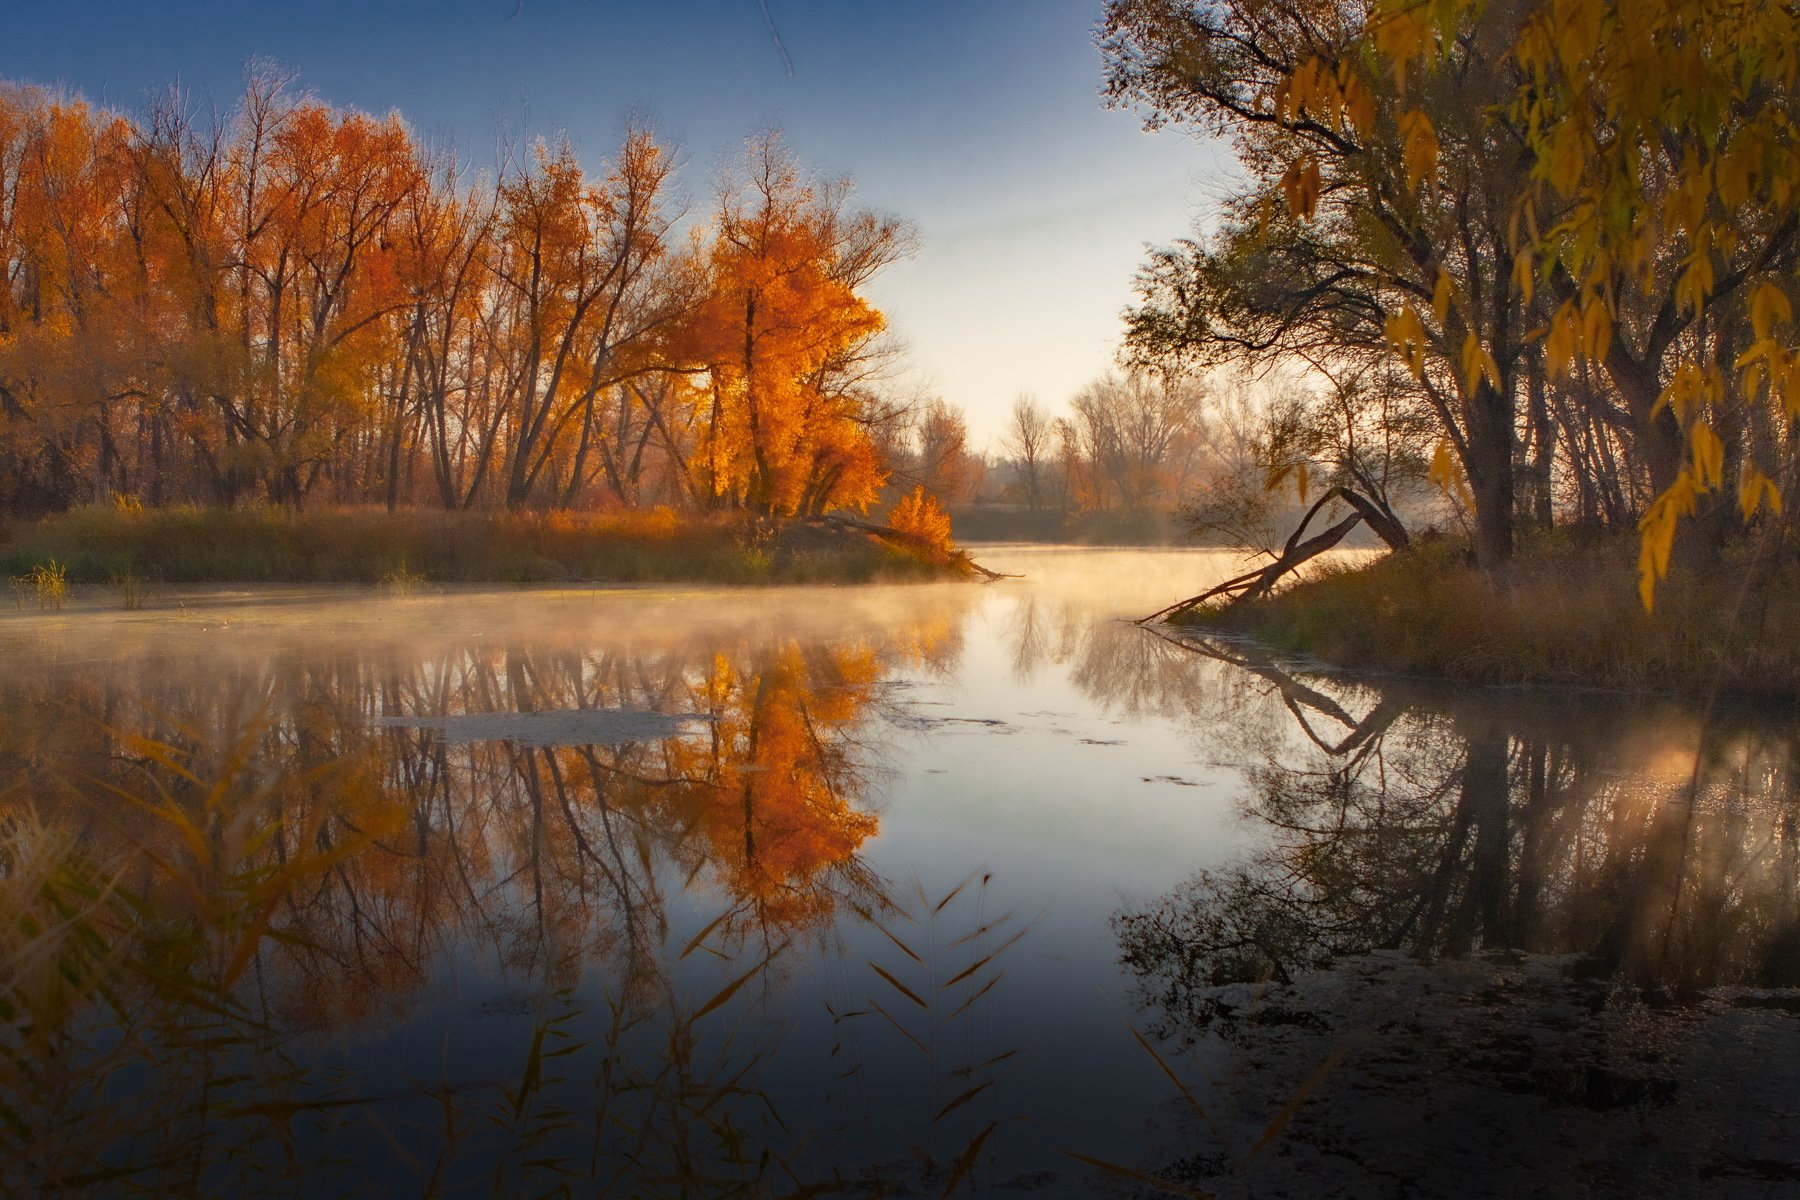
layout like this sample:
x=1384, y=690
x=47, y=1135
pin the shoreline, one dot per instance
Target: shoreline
x=1566, y=617
x=131, y=550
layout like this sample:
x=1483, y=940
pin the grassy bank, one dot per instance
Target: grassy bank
x=1012, y=523
x=268, y=545
x=1566, y=613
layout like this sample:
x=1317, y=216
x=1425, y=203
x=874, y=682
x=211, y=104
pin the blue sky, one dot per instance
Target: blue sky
x=980, y=121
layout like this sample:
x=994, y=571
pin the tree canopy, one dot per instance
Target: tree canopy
x=297, y=301
x=1572, y=220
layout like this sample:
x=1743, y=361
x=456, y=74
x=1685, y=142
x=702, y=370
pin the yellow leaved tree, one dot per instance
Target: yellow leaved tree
x=1662, y=222
x=1574, y=221
x=920, y=517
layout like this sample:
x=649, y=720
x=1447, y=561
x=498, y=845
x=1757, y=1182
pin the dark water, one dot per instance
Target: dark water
x=903, y=891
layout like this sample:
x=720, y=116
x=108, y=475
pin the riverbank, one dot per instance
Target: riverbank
x=410, y=548
x=1566, y=614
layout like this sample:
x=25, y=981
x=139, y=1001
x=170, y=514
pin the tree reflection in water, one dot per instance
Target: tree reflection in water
x=1658, y=846
x=201, y=868
x=523, y=915
x=1587, y=871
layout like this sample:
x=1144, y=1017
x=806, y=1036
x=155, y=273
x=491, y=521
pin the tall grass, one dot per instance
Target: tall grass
x=930, y=992
x=1566, y=613
x=230, y=545
x=131, y=590
x=48, y=582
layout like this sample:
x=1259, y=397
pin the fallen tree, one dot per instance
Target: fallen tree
x=1299, y=550
x=913, y=543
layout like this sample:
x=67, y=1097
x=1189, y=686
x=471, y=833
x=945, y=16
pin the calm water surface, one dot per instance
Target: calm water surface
x=889, y=891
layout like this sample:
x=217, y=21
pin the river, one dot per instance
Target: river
x=965, y=889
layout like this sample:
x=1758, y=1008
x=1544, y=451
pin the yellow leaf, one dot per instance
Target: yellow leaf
x=1359, y=106
x=1695, y=283
x=1447, y=476
x=1596, y=330
x=1401, y=35
x=1657, y=534
x=1406, y=334
x=1524, y=274
x=1559, y=347
x=1752, y=380
x=1709, y=456
x=1735, y=170
x=1301, y=185
x=1568, y=157
x=1476, y=363
x=1680, y=393
x=1577, y=33
x=1756, y=489
x=1419, y=147
x=1302, y=90
x=1441, y=295
x=1442, y=467
x=1768, y=305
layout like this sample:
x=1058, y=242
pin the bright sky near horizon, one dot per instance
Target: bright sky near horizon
x=978, y=120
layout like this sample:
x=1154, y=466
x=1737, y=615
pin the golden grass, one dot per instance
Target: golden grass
x=1565, y=613
x=47, y=581
x=106, y=543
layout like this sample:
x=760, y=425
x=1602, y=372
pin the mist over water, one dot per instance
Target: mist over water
x=894, y=890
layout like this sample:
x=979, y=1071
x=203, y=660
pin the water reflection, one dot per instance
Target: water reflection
x=1591, y=859
x=821, y=891
x=200, y=866
x=1658, y=845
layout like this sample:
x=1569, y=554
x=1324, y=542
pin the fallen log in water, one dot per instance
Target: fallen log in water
x=1297, y=552
x=910, y=541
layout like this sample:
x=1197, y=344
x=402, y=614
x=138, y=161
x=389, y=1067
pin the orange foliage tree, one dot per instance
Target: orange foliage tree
x=300, y=301
x=920, y=517
x=787, y=342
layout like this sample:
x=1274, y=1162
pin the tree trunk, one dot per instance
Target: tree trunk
x=1490, y=467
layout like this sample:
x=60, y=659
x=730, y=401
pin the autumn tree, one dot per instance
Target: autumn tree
x=941, y=461
x=1660, y=135
x=312, y=281
x=72, y=319
x=575, y=264
x=442, y=237
x=1573, y=218
x=296, y=300
x=787, y=341
x=1367, y=199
